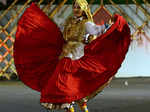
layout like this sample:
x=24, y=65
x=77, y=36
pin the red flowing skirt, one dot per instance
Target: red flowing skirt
x=38, y=45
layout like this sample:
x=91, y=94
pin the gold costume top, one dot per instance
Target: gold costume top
x=74, y=29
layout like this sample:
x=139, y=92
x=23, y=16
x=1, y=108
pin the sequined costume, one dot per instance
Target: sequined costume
x=75, y=33
x=48, y=61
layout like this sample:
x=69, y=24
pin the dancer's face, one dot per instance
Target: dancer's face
x=77, y=10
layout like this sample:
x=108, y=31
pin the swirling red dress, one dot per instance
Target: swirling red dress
x=37, y=48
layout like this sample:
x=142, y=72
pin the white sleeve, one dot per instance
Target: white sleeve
x=93, y=29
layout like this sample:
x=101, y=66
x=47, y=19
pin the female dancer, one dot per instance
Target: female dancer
x=60, y=65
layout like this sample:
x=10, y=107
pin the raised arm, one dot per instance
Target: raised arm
x=93, y=30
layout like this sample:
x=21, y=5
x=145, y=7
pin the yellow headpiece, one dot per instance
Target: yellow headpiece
x=84, y=6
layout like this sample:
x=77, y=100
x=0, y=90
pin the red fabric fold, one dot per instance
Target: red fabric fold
x=38, y=45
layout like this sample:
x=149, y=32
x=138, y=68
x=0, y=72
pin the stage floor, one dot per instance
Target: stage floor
x=122, y=95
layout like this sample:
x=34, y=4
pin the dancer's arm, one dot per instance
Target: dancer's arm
x=93, y=30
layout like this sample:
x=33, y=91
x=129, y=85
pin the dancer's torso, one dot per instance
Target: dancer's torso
x=74, y=31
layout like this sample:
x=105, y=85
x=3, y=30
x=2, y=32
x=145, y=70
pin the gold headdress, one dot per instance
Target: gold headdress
x=84, y=6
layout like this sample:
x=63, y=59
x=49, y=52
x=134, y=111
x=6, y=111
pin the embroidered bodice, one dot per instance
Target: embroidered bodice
x=74, y=29
x=75, y=32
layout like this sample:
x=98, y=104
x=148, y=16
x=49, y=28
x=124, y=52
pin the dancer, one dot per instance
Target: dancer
x=73, y=66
